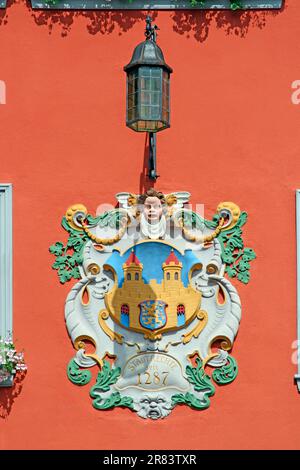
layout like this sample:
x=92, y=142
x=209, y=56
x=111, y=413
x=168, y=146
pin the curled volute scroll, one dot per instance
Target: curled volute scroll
x=153, y=303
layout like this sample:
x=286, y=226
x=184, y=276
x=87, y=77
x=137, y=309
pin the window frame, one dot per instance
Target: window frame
x=6, y=268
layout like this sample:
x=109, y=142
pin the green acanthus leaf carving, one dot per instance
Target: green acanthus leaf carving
x=227, y=373
x=107, y=219
x=200, y=380
x=191, y=400
x=115, y=399
x=193, y=220
x=201, y=383
x=107, y=377
x=76, y=375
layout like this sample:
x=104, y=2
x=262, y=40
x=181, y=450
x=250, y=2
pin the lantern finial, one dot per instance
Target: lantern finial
x=150, y=31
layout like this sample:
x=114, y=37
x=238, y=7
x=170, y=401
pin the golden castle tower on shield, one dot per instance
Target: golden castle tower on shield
x=182, y=303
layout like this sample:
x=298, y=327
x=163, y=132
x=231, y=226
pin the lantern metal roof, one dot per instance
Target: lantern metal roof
x=148, y=53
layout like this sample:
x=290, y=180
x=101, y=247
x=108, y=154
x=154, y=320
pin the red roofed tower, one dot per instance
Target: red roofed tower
x=132, y=268
x=172, y=268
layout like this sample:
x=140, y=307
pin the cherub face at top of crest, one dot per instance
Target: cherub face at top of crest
x=153, y=209
x=153, y=205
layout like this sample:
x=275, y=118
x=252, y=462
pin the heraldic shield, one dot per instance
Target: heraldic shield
x=153, y=314
x=153, y=307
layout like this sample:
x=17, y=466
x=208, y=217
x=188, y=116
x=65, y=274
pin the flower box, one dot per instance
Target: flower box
x=11, y=362
x=8, y=382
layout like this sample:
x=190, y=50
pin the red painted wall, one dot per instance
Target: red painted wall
x=234, y=136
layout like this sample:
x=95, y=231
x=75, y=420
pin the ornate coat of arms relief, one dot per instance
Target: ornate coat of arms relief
x=153, y=299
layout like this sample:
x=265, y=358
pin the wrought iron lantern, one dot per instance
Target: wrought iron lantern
x=148, y=91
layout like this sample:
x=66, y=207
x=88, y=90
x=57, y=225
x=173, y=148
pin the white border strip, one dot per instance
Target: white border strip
x=6, y=309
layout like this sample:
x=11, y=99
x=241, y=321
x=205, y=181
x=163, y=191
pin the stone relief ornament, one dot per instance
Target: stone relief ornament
x=153, y=299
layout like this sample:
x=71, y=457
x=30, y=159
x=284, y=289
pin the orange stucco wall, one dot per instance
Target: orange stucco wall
x=234, y=136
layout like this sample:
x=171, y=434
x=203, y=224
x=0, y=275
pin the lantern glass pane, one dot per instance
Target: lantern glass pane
x=148, y=99
x=156, y=84
x=132, y=96
x=145, y=83
x=155, y=98
x=151, y=92
x=145, y=98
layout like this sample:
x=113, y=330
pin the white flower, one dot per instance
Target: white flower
x=9, y=356
x=10, y=353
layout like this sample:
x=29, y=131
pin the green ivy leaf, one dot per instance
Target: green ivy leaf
x=58, y=265
x=227, y=256
x=76, y=273
x=249, y=254
x=234, y=255
x=71, y=261
x=64, y=275
x=77, y=257
x=230, y=271
x=57, y=248
x=244, y=277
x=69, y=256
x=243, y=265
